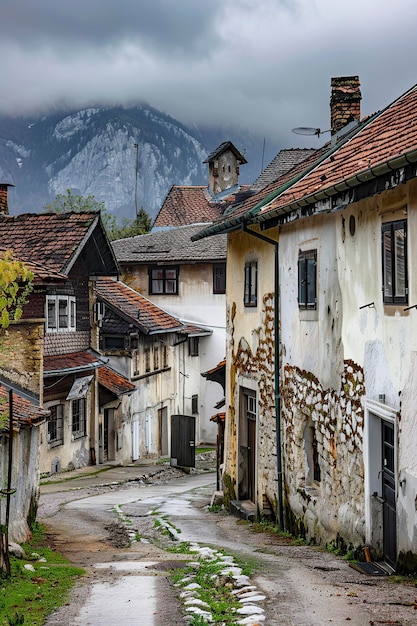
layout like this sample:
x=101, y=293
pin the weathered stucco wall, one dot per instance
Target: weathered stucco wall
x=250, y=363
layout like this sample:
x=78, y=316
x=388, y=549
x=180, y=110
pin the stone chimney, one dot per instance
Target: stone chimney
x=4, y=204
x=345, y=101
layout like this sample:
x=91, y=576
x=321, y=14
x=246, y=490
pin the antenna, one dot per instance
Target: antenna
x=136, y=146
x=307, y=130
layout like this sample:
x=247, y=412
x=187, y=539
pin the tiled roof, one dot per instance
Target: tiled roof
x=378, y=147
x=232, y=216
x=226, y=145
x=219, y=418
x=73, y=362
x=284, y=161
x=195, y=331
x=48, y=239
x=114, y=382
x=170, y=246
x=41, y=274
x=135, y=308
x=24, y=412
x=187, y=205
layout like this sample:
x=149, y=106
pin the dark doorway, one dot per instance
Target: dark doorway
x=388, y=494
x=247, y=447
x=183, y=440
x=163, y=432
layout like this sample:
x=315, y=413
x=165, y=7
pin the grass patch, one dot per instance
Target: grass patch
x=28, y=597
x=222, y=603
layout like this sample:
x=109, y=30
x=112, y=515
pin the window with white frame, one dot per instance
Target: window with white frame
x=307, y=279
x=56, y=425
x=60, y=314
x=79, y=422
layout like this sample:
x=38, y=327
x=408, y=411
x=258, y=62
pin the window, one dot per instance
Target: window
x=219, y=278
x=163, y=280
x=60, y=313
x=194, y=404
x=251, y=283
x=307, y=281
x=394, y=262
x=113, y=342
x=156, y=358
x=193, y=346
x=147, y=359
x=165, y=356
x=135, y=362
x=55, y=425
x=78, y=418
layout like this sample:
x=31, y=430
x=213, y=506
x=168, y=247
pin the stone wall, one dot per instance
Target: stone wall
x=21, y=354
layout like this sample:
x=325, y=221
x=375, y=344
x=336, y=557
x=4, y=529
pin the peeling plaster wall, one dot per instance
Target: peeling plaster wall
x=250, y=357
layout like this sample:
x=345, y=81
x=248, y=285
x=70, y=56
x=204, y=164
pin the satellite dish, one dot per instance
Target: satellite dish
x=306, y=130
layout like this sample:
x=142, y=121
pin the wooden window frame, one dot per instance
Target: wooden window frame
x=394, y=262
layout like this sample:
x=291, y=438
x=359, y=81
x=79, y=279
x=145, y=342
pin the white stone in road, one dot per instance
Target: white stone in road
x=256, y=598
x=252, y=620
x=196, y=602
x=250, y=610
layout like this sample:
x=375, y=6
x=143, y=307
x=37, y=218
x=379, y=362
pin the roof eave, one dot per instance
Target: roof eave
x=353, y=181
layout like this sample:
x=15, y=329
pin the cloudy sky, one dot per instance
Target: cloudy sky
x=263, y=64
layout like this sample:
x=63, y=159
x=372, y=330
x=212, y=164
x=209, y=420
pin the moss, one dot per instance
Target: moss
x=228, y=490
x=407, y=563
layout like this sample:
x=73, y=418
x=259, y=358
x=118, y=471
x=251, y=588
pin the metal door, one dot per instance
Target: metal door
x=183, y=440
x=388, y=494
x=251, y=456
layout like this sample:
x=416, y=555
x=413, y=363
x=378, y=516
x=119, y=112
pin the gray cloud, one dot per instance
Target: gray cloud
x=263, y=64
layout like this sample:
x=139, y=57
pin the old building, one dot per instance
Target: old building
x=56, y=359
x=321, y=379
x=146, y=345
x=188, y=280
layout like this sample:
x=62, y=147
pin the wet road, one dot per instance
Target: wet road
x=303, y=586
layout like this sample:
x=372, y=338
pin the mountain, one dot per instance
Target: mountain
x=126, y=157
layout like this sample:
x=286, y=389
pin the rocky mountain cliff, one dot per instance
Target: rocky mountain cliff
x=126, y=157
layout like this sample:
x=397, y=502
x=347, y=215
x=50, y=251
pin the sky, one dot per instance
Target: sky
x=264, y=65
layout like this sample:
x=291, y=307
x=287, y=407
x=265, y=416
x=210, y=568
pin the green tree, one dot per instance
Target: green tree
x=15, y=287
x=69, y=202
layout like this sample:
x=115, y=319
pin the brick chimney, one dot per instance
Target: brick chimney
x=345, y=101
x=4, y=204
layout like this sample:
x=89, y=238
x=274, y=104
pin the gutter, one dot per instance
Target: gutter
x=235, y=223
x=371, y=173
x=280, y=507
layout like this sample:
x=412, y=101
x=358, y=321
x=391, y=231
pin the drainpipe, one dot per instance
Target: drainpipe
x=280, y=508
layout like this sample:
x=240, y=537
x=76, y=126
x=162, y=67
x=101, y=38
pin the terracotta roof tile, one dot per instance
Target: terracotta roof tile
x=48, y=239
x=187, y=205
x=74, y=361
x=134, y=307
x=390, y=134
x=24, y=412
x=114, y=382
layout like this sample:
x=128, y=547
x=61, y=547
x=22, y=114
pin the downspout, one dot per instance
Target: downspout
x=280, y=507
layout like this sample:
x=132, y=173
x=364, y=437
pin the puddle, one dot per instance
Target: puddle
x=130, y=600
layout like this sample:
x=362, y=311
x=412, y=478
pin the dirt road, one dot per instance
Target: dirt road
x=110, y=531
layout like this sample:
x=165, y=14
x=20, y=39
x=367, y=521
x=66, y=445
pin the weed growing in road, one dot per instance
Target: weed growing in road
x=32, y=593
x=180, y=548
